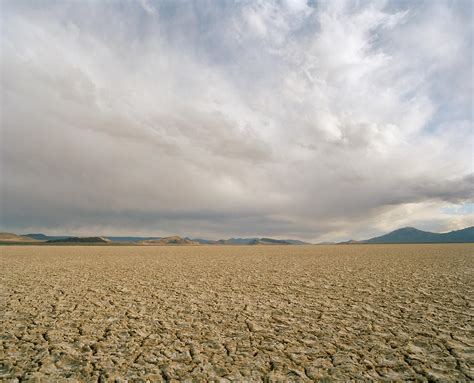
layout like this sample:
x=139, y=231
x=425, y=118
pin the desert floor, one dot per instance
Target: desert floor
x=279, y=313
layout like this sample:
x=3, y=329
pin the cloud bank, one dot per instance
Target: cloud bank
x=316, y=120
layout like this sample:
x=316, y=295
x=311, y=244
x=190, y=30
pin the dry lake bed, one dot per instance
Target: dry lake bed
x=237, y=313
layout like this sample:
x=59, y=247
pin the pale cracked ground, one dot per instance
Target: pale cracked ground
x=237, y=313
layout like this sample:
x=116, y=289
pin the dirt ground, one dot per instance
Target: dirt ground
x=237, y=313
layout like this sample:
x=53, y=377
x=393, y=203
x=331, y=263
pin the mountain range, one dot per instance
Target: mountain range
x=173, y=240
x=80, y=240
x=403, y=235
x=10, y=237
x=413, y=235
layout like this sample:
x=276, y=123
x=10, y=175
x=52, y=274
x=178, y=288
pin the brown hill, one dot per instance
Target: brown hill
x=174, y=240
x=11, y=237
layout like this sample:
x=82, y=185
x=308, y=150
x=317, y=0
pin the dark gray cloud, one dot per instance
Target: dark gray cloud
x=334, y=120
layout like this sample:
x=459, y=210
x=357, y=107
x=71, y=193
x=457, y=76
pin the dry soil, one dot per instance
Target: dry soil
x=238, y=313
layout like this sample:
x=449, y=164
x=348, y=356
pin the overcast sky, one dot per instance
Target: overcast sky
x=319, y=120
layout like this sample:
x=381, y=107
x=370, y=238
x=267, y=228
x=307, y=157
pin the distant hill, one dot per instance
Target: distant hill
x=43, y=237
x=413, y=235
x=296, y=242
x=269, y=241
x=203, y=241
x=237, y=241
x=10, y=237
x=174, y=240
x=403, y=235
x=259, y=241
x=132, y=239
x=80, y=240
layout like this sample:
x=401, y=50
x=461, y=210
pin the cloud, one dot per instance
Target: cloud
x=148, y=7
x=311, y=119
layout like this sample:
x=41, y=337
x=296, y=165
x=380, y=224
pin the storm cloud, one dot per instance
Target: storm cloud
x=315, y=120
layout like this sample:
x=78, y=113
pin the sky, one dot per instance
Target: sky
x=318, y=120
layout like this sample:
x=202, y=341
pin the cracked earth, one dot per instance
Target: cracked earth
x=231, y=313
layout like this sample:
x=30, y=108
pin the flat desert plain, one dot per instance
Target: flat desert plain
x=238, y=313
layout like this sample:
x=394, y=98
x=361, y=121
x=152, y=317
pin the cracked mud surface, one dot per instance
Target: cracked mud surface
x=289, y=313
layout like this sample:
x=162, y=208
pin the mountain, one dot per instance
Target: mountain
x=296, y=242
x=10, y=237
x=132, y=239
x=269, y=241
x=464, y=235
x=413, y=235
x=237, y=241
x=174, y=240
x=259, y=241
x=80, y=240
x=203, y=241
x=43, y=237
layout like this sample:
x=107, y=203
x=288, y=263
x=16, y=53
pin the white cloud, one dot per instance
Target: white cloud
x=235, y=119
x=148, y=7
